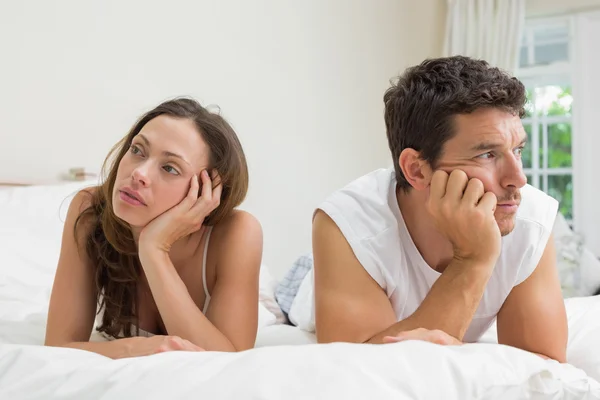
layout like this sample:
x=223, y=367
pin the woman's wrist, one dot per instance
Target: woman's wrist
x=152, y=253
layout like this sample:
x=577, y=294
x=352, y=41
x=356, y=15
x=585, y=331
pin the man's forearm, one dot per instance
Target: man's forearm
x=450, y=304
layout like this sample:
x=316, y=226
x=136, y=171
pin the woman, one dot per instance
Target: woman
x=158, y=249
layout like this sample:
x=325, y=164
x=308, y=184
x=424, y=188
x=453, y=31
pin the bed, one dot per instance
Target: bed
x=286, y=362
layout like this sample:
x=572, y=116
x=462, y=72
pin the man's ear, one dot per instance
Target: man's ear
x=417, y=171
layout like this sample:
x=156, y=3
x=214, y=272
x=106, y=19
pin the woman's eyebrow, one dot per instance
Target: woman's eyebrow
x=165, y=153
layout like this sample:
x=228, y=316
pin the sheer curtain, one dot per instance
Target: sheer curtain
x=486, y=29
x=586, y=128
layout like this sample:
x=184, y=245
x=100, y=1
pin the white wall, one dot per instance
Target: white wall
x=302, y=83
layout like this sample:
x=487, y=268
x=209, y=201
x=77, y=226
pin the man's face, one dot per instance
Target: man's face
x=487, y=146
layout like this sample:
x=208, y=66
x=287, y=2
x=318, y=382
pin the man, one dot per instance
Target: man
x=452, y=238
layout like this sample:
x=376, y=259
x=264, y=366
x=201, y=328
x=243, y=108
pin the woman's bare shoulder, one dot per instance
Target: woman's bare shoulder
x=237, y=232
x=85, y=196
x=238, y=223
x=240, y=232
x=81, y=203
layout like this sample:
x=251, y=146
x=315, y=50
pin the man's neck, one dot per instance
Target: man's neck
x=435, y=249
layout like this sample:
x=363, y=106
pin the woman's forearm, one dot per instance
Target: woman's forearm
x=180, y=314
x=120, y=348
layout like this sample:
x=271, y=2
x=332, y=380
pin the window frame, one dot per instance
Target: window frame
x=559, y=73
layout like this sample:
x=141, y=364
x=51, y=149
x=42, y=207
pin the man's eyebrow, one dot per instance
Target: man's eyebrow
x=165, y=153
x=491, y=145
x=523, y=141
x=486, y=146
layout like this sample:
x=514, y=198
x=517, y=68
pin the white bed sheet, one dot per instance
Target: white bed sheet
x=411, y=370
x=285, y=364
x=283, y=335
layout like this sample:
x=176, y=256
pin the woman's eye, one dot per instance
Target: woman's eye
x=171, y=170
x=135, y=150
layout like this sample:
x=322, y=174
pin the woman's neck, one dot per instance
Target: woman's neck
x=135, y=231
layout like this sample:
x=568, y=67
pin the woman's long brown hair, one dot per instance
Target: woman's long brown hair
x=109, y=244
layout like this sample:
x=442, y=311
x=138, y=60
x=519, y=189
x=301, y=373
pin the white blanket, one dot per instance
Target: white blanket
x=412, y=370
x=287, y=364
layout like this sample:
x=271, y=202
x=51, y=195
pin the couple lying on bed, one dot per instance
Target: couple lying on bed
x=437, y=248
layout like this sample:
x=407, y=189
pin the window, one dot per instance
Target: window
x=545, y=69
x=545, y=43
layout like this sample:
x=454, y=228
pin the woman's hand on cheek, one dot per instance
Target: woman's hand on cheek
x=183, y=219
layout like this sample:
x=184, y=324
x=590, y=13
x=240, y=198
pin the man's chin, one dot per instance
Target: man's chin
x=506, y=225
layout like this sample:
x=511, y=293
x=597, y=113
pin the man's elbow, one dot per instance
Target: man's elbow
x=326, y=335
x=553, y=350
x=560, y=357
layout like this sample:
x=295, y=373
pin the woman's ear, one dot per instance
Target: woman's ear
x=416, y=170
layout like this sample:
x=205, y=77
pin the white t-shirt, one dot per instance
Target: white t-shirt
x=367, y=213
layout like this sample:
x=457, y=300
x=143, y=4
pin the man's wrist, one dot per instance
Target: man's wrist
x=476, y=263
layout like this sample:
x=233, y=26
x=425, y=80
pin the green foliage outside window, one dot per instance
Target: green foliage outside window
x=552, y=101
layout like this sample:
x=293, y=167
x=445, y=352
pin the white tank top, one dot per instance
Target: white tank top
x=367, y=213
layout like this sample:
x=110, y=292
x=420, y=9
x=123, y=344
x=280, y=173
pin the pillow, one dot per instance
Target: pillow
x=31, y=230
x=583, y=348
x=283, y=335
x=584, y=334
x=265, y=317
x=589, y=267
x=578, y=268
x=32, y=220
x=267, y=285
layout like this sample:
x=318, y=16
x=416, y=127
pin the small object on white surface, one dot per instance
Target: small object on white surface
x=79, y=174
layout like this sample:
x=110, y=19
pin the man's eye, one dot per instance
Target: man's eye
x=486, y=155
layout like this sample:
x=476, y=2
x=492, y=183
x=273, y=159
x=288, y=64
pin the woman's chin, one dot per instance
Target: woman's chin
x=132, y=217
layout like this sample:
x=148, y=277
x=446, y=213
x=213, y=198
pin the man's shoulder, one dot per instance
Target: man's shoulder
x=379, y=178
x=364, y=205
x=366, y=213
x=373, y=187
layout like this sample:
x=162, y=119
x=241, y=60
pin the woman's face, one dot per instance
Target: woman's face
x=155, y=173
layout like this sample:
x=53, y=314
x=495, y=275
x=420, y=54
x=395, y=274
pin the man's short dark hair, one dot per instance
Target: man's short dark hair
x=421, y=105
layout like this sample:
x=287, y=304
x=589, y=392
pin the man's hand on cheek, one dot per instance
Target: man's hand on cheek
x=464, y=213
